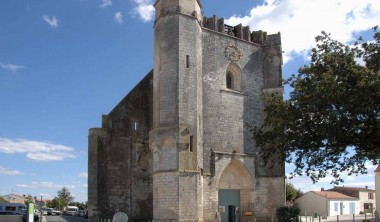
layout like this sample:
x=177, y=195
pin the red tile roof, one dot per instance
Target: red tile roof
x=377, y=169
x=333, y=195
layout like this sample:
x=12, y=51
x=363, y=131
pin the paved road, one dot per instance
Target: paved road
x=63, y=219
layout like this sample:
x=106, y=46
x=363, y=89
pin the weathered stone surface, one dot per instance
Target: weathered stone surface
x=164, y=152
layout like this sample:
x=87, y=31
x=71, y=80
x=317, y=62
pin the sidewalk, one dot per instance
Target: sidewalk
x=342, y=218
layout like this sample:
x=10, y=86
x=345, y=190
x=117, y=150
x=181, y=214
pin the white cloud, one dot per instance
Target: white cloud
x=84, y=175
x=144, y=10
x=305, y=184
x=52, y=21
x=119, y=17
x=105, y=3
x=36, y=150
x=44, y=185
x=300, y=21
x=11, y=67
x=9, y=171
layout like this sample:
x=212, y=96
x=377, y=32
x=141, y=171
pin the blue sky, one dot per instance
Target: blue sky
x=64, y=63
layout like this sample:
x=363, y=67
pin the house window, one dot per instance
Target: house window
x=335, y=207
x=233, y=77
x=370, y=196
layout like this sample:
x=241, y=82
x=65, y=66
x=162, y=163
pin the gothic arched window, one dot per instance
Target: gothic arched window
x=233, y=77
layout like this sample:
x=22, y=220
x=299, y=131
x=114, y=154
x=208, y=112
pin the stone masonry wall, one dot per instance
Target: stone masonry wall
x=122, y=176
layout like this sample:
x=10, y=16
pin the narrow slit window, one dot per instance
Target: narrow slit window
x=191, y=144
x=187, y=61
x=135, y=126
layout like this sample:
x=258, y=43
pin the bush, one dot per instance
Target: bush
x=288, y=214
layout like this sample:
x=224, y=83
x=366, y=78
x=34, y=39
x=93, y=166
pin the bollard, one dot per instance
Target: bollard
x=353, y=217
x=319, y=218
x=272, y=219
x=365, y=216
x=254, y=219
x=337, y=218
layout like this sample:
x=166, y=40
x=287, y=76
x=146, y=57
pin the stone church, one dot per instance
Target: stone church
x=177, y=147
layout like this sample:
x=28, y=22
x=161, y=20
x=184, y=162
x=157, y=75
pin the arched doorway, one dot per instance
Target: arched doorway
x=234, y=189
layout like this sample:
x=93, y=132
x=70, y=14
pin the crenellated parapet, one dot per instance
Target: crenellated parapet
x=239, y=31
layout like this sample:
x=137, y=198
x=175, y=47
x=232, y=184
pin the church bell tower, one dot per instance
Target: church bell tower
x=175, y=140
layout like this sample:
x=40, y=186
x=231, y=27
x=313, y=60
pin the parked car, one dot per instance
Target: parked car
x=71, y=210
x=44, y=211
x=82, y=213
x=52, y=212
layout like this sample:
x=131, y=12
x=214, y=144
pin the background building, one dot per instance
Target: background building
x=367, y=197
x=14, y=198
x=327, y=203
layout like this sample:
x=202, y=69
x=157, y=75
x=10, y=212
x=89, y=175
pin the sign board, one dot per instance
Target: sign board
x=222, y=209
x=120, y=217
x=30, y=213
x=248, y=213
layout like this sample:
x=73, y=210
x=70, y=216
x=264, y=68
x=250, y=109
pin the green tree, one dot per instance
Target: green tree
x=28, y=199
x=330, y=123
x=292, y=193
x=55, y=203
x=65, y=196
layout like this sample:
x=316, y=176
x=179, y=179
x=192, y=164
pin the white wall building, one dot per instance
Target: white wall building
x=327, y=203
x=377, y=188
x=366, y=196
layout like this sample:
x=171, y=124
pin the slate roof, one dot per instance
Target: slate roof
x=334, y=195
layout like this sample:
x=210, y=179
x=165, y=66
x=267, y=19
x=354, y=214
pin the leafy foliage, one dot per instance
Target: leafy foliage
x=330, y=123
x=28, y=199
x=288, y=214
x=292, y=193
x=56, y=203
x=65, y=195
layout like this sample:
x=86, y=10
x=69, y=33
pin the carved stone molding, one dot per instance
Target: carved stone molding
x=233, y=53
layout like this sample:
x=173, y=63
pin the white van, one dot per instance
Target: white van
x=71, y=210
x=12, y=208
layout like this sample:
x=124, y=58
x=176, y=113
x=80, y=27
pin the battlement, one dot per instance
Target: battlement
x=238, y=31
